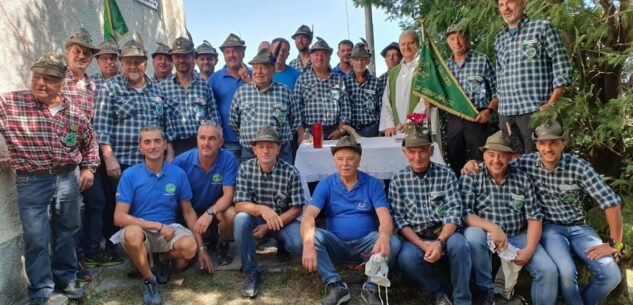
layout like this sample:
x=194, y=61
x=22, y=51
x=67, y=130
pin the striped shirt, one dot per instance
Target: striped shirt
x=280, y=189
x=562, y=190
x=323, y=101
x=530, y=64
x=476, y=76
x=365, y=99
x=252, y=108
x=427, y=200
x=121, y=111
x=191, y=106
x=508, y=205
x=39, y=141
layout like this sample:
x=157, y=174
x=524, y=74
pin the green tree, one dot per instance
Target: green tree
x=597, y=110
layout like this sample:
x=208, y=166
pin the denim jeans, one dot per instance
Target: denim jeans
x=92, y=224
x=455, y=261
x=560, y=241
x=285, y=153
x=541, y=266
x=243, y=234
x=368, y=131
x=49, y=212
x=330, y=249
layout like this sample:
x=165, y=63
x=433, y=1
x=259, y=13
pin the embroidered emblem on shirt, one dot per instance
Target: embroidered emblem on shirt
x=170, y=188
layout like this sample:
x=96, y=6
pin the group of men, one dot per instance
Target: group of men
x=169, y=165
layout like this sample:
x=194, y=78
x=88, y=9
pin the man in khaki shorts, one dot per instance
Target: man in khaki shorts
x=147, y=197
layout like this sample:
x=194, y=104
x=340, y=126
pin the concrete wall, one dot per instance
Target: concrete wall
x=34, y=27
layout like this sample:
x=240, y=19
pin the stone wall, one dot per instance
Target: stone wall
x=28, y=29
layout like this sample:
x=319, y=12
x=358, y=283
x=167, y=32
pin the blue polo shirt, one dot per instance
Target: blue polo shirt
x=340, y=72
x=153, y=197
x=224, y=86
x=288, y=77
x=350, y=214
x=207, y=186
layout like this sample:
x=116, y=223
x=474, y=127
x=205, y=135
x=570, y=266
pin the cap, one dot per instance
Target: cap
x=303, y=30
x=162, y=49
x=206, y=48
x=81, y=38
x=550, y=130
x=347, y=142
x=416, y=136
x=320, y=44
x=233, y=41
x=182, y=45
x=361, y=50
x=266, y=133
x=108, y=47
x=51, y=63
x=133, y=48
x=393, y=45
x=455, y=28
x=263, y=57
x=499, y=142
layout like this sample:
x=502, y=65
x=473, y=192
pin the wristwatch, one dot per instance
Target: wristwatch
x=211, y=211
x=202, y=248
x=618, y=245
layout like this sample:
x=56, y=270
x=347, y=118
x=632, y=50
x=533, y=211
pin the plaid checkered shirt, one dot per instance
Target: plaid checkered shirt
x=427, y=201
x=121, y=111
x=365, y=99
x=530, y=65
x=279, y=190
x=477, y=77
x=383, y=81
x=561, y=191
x=191, y=106
x=323, y=101
x=509, y=205
x=81, y=92
x=253, y=108
x=298, y=65
x=39, y=141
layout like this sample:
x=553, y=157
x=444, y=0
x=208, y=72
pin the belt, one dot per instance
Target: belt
x=51, y=171
x=356, y=127
x=567, y=224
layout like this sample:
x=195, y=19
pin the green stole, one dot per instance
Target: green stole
x=413, y=99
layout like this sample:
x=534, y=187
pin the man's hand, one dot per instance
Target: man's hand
x=600, y=251
x=433, y=251
x=309, y=258
x=260, y=231
x=544, y=107
x=390, y=132
x=499, y=239
x=483, y=117
x=243, y=72
x=335, y=135
x=204, y=261
x=86, y=177
x=273, y=220
x=202, y=224
x=471, y=167
x=381, y=246
x=523, y=256
x=167, y=232
x=113, y=169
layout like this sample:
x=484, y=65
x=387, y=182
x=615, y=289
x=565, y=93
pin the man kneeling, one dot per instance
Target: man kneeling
x=147, y=197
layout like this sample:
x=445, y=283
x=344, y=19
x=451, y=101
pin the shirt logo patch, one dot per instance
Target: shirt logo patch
x=217, y=178
x=530, y=52
x=441, y=211
x=336, y=94
x=71, y=139
x=170, y=188
x=370, y=105
x=159, y=109
x=517, y=201
x=363, y=205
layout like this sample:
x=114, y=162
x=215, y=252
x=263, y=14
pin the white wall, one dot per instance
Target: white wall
x=34, y=27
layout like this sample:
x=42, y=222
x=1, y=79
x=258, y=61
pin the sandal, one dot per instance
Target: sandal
x=224, y=257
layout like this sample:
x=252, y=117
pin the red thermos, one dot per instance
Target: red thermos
x=317, y=135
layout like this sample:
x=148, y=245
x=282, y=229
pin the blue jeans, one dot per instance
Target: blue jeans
x=456, y=260
x=330, y=249
x=92, y=224
x=367, y=131
x=36, y=195
x=284, y=154
x=235, y=148
x=559, y=241
x=541, y=266
x=243, y=233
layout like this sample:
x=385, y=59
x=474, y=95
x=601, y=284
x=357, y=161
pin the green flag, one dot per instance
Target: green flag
x=113, y=23
x=435, y=82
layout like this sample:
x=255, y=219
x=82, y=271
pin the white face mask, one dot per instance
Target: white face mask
x=377, y=270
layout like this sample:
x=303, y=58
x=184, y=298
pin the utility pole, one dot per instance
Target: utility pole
x=369, y=34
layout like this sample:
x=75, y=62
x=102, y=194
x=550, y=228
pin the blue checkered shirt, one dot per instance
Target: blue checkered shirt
x=298, y=65
x=476, y=76
x=423, y=202
x=279, y=189
x=509, y=205
x=561, y=191
x=383, y=81
x=365, y=99
x=323, y=101
x=121, y=112
x=253, y=108
x=191, y=106
x=530, y=65
x=98, y=79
